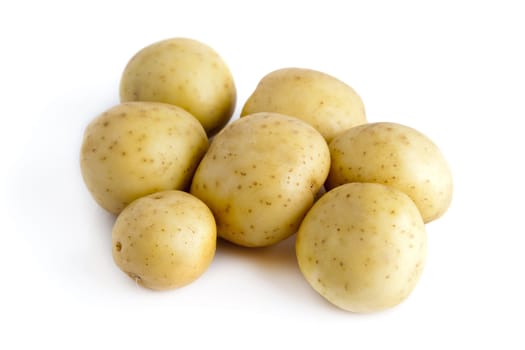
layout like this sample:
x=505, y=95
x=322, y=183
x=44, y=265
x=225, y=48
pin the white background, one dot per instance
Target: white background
x=455, y=70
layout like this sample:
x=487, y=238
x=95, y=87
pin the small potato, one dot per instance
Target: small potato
x=138, y=148
x=326, y=103
x=362, y=246
x=165, y=240
x=260, y=176
x=186, y=73
x=394, y=155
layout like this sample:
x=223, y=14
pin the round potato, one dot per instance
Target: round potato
x=165, y=240
x=326, y=103
x=394, y=155
x=186, y=73
x=138, y=148
x=362, y=246
x=260, y=176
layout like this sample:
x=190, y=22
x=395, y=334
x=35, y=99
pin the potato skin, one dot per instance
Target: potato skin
x=165, y=240
x=138, y=148
x=394, y=155
x=323, y=101
x=185, y=73
x=260, y=176
x=362, y=246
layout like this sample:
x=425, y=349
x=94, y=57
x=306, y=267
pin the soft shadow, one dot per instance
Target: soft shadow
x=280, y=256
x=277, y=266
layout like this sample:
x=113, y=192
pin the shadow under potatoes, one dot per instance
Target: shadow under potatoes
x=277, y=267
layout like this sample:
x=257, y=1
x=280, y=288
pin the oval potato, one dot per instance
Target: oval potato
x=394, y=155
x=362, y=246
x=185, y=73
x=165, y=240
x=323, y=101
x=260, y=176
x=138, y=148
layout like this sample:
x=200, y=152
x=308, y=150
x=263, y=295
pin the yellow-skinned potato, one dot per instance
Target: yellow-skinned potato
x=326, y=103
x=394, y=155
x=138, y=148
x=186, y=73
x=260, y=176
x=165, y=240
x=362, y=246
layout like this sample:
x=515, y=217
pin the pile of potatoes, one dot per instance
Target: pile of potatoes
x=302, y=158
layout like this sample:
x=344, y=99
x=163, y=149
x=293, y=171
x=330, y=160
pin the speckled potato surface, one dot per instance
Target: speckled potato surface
x=165, y=240
x=362, y=246
x=260, y=176
x=186, y=73
x=323, y=101
x=138, y=148
x=394, y=155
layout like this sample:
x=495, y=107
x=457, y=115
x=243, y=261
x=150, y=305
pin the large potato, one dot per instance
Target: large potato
x=362, y=246
x=186, y=73
x=165, y=240
x=138, y=148
x=394, y=155
x=260, y=176
x=326, y=103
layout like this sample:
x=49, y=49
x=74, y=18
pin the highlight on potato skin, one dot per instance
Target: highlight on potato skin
x=186, y=73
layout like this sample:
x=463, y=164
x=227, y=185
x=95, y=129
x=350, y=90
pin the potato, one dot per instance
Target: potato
x=394, y=155
x=165, y=240
x=186, y=73
x=138, y=148
x=326, y=103
x=260, y=176
x=362, y=246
